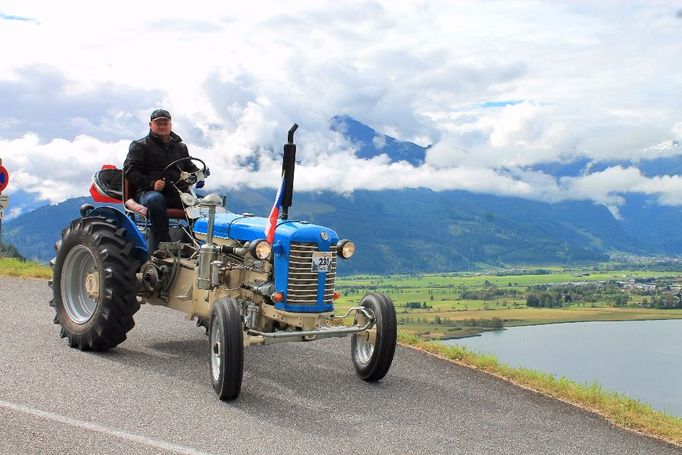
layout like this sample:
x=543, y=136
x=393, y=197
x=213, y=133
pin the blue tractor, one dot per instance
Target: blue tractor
x=222, y=272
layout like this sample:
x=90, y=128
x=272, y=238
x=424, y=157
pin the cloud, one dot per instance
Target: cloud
x=514, y=134
x=519, y=125
x=379, y=141
x=609, y=187
x=59, y=169
x=41, y=101
x=604, y=187
x=677, y=130
x=632, y=140
x=496, y=87
x=185, y=26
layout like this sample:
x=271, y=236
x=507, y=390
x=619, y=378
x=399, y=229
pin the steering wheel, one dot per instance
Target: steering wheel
x=192, y=177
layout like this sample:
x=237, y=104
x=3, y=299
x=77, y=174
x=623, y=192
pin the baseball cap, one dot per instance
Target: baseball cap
x=160, y=113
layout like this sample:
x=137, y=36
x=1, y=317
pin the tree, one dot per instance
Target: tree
x=532, y=300
x=7, y=250
x=621, y=300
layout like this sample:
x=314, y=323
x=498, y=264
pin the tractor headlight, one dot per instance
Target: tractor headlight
x=345, y=248
x=260, y=249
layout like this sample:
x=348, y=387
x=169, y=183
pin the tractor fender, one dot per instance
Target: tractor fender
x=132, y=233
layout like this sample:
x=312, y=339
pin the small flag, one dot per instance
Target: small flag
x=274, y=215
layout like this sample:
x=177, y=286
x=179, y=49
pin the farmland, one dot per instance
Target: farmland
x=457, y=305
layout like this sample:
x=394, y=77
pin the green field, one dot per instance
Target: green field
x=431, y=306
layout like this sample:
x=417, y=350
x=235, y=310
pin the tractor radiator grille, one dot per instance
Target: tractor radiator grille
x=302, y=283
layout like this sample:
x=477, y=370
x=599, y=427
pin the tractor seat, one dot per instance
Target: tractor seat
x=132, y=205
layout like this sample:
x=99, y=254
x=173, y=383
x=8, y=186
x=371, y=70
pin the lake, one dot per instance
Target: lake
x=641, y=359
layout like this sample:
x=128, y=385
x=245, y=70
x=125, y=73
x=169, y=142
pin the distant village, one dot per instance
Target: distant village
x=644, y=285
x=663, y=292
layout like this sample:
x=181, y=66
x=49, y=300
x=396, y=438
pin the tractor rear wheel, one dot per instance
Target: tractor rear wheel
x=94, y=284
x=372, y=360
x=226, y=348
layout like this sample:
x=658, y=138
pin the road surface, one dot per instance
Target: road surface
x=153, y=395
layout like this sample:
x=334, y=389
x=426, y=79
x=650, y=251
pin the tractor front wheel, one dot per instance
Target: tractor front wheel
x=226, y=348
x=373, y=358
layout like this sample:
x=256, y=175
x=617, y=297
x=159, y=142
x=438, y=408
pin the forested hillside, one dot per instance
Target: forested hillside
x=416, y=230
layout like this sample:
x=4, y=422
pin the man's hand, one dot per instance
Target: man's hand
x=159, y=185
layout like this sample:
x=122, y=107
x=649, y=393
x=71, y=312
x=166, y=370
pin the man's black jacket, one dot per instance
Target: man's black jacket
x=147, y=158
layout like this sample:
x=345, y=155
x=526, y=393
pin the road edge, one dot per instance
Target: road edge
x=421, y=348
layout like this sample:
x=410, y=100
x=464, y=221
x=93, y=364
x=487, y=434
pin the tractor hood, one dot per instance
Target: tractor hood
x=248, y=228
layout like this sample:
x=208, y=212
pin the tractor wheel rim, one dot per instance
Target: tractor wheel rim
x=363, y=349
x=80, y=284
x=216, y=349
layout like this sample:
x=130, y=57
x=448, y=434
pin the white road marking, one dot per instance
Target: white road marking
x=100, y=429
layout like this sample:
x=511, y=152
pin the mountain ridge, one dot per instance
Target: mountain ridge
x=410, y=230
x=422, y=230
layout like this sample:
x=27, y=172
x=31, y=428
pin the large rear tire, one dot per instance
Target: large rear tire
x=226, y=348
x=373, y=360
x=94, y=284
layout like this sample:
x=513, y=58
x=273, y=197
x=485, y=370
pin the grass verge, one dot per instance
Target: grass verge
x=620, y=410
x=25, y=269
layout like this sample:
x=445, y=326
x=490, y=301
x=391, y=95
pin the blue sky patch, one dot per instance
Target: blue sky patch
x=501, y=103
x=9, y=17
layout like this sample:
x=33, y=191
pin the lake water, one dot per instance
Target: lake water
x=641, y=359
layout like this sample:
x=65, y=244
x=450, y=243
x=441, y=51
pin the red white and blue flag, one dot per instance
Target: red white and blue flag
x=274, y=215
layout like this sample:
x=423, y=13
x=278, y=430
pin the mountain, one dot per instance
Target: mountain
x=35, y=233
x=406, y=231
x=22, y=202
x=416, y=230
x=370, y=143
x=420, y=230
x=656, y=226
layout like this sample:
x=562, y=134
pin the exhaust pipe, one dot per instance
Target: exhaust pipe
x=288, y=166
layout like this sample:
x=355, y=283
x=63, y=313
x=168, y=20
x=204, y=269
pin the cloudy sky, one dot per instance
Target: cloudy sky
x=495, y=87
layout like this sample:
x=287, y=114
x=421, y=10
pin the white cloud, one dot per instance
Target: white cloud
x=379, y=141
x=591, y=81
x=520, y=125
x=604, y=187
x=677, y=130
x=619, y=141
x=59, y=169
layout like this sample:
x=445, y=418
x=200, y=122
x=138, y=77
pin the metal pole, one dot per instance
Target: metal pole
x=288, y=166
x=1, y=209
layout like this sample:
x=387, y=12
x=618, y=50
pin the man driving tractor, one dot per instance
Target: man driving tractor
x=144, y=169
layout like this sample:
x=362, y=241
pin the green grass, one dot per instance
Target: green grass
x=473, y=279
x=26, y=269
x=618, y=409
x=449, y=316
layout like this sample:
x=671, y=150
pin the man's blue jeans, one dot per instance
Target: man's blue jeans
x=156, y=206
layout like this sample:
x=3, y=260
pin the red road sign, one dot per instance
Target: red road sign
x=4, y=178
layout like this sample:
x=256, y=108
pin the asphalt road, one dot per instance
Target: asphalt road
x=152, y=395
